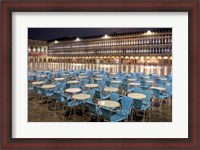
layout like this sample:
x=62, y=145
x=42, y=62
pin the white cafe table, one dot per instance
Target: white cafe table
x=132, y=79
x=91, y=85
x=42, y=76
x=73, y=82
x=158, y=88
x=149, y=81
x=31, y=74
x=163, y=79
x=136, y=95
x=134, y=83
x=81, y=96
x=100, y=76
x=146, y=77
x=116, y=81
x=99, y=79
x=64, y=74
x=82, y=76
x=59, y=79
x=109, y=103
x=73, y=90
x=48, y=86
x=37, y=83
x=110, y=89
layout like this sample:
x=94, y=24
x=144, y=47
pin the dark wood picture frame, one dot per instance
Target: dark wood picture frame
x=9, y=6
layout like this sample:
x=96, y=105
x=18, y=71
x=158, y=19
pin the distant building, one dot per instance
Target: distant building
x=150, y=47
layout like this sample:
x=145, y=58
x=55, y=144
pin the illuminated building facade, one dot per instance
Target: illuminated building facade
x=149, y=47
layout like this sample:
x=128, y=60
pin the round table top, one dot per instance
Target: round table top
x=149, y=81
x=158, y=88
x=110, y=89
x=59, y=79
x=73, y=90
x=132, y=79
x=98, y=79
x=99, y=75
x=134, y=83
x=108, y=103
x=164, y=79
x=42, y=76
x=82, y=76
x=37, y=83
x=73, y=82
x=92, y=85
x=146, y=77
x=64, y=74
x=48, y=86
x=81, y=96
x=31, y=74
x=136, y=95
x=116, y=81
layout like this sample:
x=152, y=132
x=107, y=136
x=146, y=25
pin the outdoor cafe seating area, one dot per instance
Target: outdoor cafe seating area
x=99, y=95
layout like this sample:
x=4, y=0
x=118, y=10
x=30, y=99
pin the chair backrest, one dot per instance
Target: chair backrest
x=106, y=113
x=137, y=104
x=61, y=86
x=148, y=94
x=58, y=96
x=30, y=78
x=169, y=89
x=43, y=91
x=86, y=81
x=156, y=92
x=92, y=107
x=159, y=82
x=98, y=94
x=107, y=83
x=125, y=87
x=126, y=103
x=91, y=92
x=114, y=97
x=37, y=90
x=137, y=90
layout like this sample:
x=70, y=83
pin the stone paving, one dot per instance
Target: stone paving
x=41, y=112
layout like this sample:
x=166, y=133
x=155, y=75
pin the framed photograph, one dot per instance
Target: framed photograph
x=100, y=74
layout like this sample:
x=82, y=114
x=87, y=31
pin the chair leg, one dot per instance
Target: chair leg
x=143, y=115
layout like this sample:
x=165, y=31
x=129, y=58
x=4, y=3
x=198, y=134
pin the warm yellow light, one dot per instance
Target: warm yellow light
x=170, y=57
x=165, y=57
x=136, y=57
x=126, y=57
x=106, y=36
x=56, y=41
x=77, y=39
x=147, y=57
x=149, y=32
x=159, y=57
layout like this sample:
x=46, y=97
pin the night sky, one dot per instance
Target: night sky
x=54, y=33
